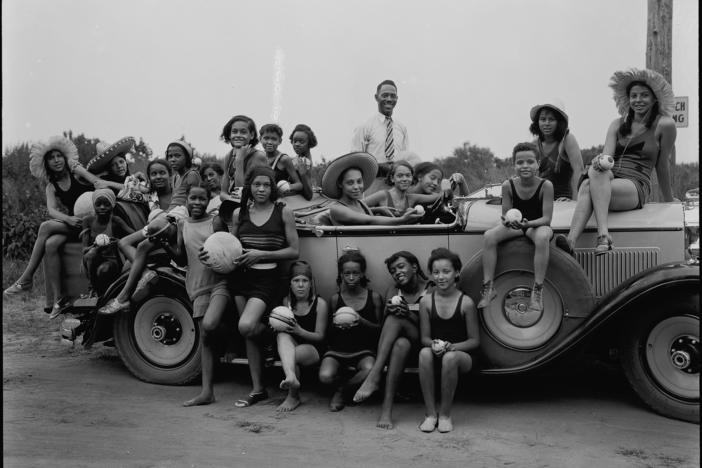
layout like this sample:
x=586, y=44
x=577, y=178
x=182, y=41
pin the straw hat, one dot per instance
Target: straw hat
x=40, y=149
x=555, y=104
x=107, y=152
x=365, y=162
x=660, y=87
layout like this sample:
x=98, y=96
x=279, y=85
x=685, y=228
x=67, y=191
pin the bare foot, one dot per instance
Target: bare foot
x=385, y=422
x=337, y=401
x=289, y=383
x=366, y=390
x=201, y=399
x=445, y=424
x=289, y=404
x=429, y=424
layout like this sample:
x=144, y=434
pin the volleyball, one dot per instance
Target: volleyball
x=84, y=205
x=222, y=248
x=438, y=346
x=345, y=316
x=102, y=239
x=283, y=186
x=513, y=215
x=606, y=162
x=281, y=318
x=419, y=209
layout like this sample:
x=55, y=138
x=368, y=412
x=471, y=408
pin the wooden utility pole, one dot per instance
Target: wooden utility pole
x=659, y=55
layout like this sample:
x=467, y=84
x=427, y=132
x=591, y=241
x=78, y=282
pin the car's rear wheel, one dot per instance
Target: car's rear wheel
x=159, y=341
x=661, y=359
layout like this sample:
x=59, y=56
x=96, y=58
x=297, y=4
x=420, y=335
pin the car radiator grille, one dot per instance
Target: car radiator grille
x=609, y=270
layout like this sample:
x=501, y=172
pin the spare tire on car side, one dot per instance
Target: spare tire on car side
x=511, y=335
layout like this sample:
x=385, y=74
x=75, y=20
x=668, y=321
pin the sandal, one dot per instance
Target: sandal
x=604, y=244
x=59, y=307
x=113, y=307
x=251, y=399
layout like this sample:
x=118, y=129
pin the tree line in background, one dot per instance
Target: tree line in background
x=24, y=199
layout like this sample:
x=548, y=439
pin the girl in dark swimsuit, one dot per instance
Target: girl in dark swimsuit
x=351, y=345
x=400, y=330
x=301, y=343
x=56, y=162
x=533, y=197
x=266, y=229
x=642, y=139
x=448, y=325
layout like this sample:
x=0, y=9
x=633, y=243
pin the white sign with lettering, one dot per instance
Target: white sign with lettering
x=681, y=113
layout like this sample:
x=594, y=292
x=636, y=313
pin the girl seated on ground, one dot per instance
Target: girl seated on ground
x=211, y=173
x=281, y=163
x=344, y=180
x=300, y=345
x=266, y=229
x=397, y=199
x=101, y=260
x=641, y=139
x=303, y=140
x=351, y=345
x=206, y=289
x=448, y=328
x=56, y=162
x=400, y=332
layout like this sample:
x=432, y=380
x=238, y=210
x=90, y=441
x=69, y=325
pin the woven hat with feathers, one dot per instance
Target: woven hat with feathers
x=654, y=80
x=40, y=149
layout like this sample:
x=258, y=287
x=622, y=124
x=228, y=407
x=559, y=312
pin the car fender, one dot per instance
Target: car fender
x=615, y=306
x=102, y=327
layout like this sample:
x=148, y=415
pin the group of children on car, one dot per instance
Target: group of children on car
x=169, y=213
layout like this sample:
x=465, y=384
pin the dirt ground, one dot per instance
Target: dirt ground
x=67, y=407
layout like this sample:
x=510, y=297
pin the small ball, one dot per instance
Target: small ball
x=606, y=162
x=396, y=300
x=283, y=186
x=513, y=215
x=419, y=209
x=102, y=239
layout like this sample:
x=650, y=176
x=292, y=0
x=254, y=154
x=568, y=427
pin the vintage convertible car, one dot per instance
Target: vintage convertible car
x=640, y=301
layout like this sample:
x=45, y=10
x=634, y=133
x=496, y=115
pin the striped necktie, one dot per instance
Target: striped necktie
x=389, y=141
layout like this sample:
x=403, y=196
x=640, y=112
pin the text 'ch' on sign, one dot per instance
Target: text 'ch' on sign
x=681, y=113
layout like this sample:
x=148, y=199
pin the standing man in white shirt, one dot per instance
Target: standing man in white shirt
x=382, y=135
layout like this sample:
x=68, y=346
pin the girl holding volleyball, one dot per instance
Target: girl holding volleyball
x=266, y=229
x=206, y=289
x=300, y=344
x=352, y=343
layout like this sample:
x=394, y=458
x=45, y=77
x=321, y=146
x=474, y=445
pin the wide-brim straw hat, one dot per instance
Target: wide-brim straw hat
x=107, y=152
x=554, y=104
x=364, y=162
x=654, y=80
x=40, y=149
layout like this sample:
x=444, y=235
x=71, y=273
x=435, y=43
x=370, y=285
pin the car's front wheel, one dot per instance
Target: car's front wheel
x=661, y=359
x=159, y=341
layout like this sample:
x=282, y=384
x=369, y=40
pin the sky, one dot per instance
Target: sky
x=467, y=70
